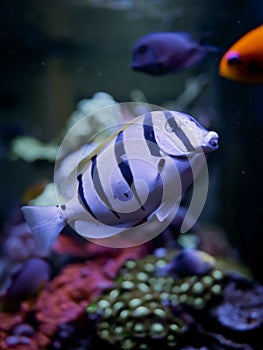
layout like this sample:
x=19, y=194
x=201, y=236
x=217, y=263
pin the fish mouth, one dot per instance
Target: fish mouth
x=211, y=142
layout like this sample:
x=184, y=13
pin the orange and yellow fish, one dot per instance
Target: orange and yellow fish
x=243, y=61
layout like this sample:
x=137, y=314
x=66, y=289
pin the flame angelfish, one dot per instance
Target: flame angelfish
x=243, y=61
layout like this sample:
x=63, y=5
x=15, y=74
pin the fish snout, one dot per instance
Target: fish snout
x=210, y=142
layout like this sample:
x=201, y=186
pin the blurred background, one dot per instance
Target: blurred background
x=55, y=53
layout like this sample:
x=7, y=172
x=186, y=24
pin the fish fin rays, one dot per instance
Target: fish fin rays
x=45, y=224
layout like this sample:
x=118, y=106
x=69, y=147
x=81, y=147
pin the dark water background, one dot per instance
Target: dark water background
x=57, y=52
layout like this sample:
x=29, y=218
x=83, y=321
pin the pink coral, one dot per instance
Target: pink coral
x=64, y=298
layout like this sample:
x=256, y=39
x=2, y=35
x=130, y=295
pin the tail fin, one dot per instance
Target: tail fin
x=45, y=223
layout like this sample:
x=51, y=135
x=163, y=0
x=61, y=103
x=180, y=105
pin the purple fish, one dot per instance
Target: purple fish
x=167, y=52
x=28, y=278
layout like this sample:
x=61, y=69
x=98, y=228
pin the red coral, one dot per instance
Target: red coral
x=8, y=321
x=66, y=297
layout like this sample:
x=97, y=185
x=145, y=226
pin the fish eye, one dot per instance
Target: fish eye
x=142, y=49
x=233, y=58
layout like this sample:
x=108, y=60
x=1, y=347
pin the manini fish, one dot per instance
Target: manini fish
x=160, y=53
x=243, y=61
x=128, y=186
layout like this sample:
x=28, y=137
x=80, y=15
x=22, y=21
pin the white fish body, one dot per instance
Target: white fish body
x=130, y=186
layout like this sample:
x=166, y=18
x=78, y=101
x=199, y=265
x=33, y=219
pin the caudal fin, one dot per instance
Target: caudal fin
x=45, y=223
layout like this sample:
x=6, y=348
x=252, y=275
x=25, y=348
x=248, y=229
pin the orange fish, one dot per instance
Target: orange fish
x=243, y=62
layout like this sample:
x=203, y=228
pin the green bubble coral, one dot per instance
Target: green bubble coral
x=145, y=306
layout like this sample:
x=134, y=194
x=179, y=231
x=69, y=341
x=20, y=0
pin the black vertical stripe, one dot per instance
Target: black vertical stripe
x=149, y=135
x=98, y=186
x=178, y=131
x=93, y=164
x=82, y=196
x=124, y=166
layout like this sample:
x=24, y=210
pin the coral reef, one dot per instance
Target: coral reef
x=136, y=298
x=62, y=300
x=83, y=296
x=146, y=309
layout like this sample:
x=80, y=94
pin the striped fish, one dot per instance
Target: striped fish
x=126, y=191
